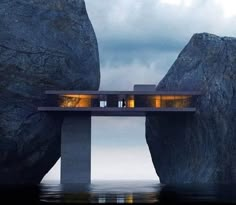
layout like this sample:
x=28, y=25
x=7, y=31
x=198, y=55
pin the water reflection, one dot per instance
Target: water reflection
x=100, y=192
x=137, y=192
x=117, y=192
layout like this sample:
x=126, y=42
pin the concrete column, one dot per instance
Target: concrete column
x=76, y=150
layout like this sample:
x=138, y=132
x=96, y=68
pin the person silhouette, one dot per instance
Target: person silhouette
x=123, y=103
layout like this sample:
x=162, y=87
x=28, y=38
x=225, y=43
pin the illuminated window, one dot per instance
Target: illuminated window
x=76, y=101
x=175, y=101
x=103, y=103
x=131, y=102
x=154, y=101
x=157, y=101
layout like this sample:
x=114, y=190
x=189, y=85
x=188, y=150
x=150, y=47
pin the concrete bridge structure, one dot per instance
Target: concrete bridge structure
x=77, y=107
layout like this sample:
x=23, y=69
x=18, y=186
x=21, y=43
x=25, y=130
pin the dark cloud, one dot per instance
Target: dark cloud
x=148, y=32
x=138, y=23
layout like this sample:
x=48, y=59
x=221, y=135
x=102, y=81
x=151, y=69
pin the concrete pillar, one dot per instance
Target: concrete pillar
x=76, y=150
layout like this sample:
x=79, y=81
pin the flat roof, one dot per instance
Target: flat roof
x=114, y=111
x=89, y=92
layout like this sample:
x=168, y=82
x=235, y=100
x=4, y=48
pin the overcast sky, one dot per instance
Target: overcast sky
x=138, y=42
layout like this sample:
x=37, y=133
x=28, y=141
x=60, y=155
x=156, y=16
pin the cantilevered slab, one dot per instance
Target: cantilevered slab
x=89, y=92
x=97, y=111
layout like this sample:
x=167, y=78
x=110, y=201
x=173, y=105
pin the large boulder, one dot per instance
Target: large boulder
x=200, y=147
x=44, y=44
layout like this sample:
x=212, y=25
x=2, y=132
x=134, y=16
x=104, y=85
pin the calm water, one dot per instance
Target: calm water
x=117, y=192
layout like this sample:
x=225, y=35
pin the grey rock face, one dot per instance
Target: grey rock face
x=199, y=148
x=43, y=45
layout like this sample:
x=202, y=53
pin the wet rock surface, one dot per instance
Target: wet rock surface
x=200, y=147
x=44, y=45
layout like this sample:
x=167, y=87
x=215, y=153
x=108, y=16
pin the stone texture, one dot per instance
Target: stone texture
x=199, y=148
x=43, y=45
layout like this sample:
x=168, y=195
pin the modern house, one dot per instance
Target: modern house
x=144, y=99
x=77, y=107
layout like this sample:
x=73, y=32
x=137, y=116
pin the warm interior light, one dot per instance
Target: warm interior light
x=131, y=103
x=76, y=101
x=176, y=101
x=165, y=101
x=158, y=102
x=155, y=101
x=175, y=97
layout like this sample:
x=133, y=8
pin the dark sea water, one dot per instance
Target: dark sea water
x=117, y=192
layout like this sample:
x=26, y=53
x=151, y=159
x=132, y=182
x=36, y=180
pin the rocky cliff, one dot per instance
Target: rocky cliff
x=43, y=45
x=199, y=148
